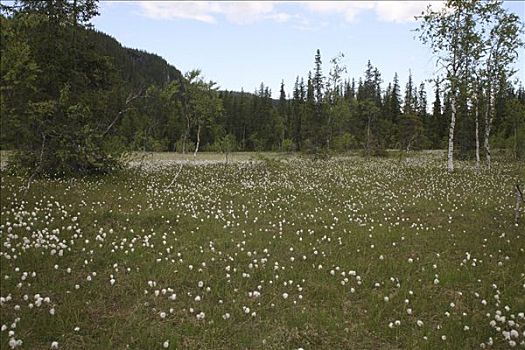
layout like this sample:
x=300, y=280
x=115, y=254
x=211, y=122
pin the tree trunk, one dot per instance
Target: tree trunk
x=488, y=126
x=329, y=131
x=516, y=155
x=175, y=177
x=519, y=199
x=40, y=164
x=198, y=141
x=450, y=156
x=129, y=99
x=368, y=138
x=477, y=140
x=282, y=138
x=185, y=136
x=244, y=137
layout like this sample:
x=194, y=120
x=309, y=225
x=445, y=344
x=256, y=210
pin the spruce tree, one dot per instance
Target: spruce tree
x=395, y=100
x=409, y=105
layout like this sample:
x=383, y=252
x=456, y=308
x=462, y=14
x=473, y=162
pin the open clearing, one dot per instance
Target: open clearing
x=345, y=253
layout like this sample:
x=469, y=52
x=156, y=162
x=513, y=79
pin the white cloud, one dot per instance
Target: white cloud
x=207, y=11
x=199, y=11
x=247, y=12
x=387, y=11
x=349, y=9
x=403, y=11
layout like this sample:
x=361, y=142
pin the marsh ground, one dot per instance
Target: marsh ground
x=279, y=253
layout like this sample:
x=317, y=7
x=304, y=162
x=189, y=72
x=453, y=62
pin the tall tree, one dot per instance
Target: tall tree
x=438, y=124
x=395, y=100
x=283, y=114
x=204, y=104
x=503, y=37
x=334, y=93
x=450, y=32
x=318, y=86
x=318, y=79
x=410, y=105
x=77, y=99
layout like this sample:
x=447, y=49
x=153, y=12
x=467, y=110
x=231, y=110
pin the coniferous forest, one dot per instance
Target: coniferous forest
x=73, y=99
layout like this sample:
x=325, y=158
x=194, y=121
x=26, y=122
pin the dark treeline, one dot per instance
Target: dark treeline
x=73, y=99
x=330, y=112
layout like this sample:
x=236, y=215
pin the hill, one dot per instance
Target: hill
x=137, y=67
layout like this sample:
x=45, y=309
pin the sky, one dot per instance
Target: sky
x=241, y=44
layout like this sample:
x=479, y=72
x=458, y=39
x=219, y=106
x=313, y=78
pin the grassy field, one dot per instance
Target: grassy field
x=278, y=254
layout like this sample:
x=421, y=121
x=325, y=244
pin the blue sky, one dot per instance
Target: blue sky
x=241, y=44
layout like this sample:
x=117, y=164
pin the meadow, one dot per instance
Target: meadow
x=273, y=253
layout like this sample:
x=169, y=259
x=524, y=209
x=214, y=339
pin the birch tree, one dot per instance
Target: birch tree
x=502, y=40
x=476, y=43
x=450, y=33
x=203, y=103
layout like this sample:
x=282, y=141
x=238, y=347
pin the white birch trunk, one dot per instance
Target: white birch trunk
x=198, y=141
x=488, y=126
x=477, y=140
x=175, y=177
x=450, y=156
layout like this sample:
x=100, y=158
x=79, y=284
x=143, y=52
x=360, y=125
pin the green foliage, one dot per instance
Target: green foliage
x=476, y=44
x=257, y=141
x=344, y=142
x=138, y=101
x=77, y=89
x=55, y=91
x=226, y=144
x=190, y=147
x=68, y=143
x=288, y=145
x=410, y=132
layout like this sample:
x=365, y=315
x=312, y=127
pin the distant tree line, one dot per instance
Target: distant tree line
x=321, y=113
x=330, y=112
x=73, y=99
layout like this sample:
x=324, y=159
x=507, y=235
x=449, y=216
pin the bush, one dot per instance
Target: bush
x=344, y=142
x=288, y=145
x=258, y=142
x=190, y=146
x=315, y=152
x=65, y=143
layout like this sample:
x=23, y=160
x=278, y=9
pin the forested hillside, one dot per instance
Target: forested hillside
x=73, y=99
x=137, y=68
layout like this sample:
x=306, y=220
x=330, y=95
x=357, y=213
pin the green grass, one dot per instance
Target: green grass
x=270, y=226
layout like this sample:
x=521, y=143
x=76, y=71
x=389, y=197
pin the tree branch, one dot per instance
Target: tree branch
x=175, y=177
x=39, y=167
x=130, y=99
